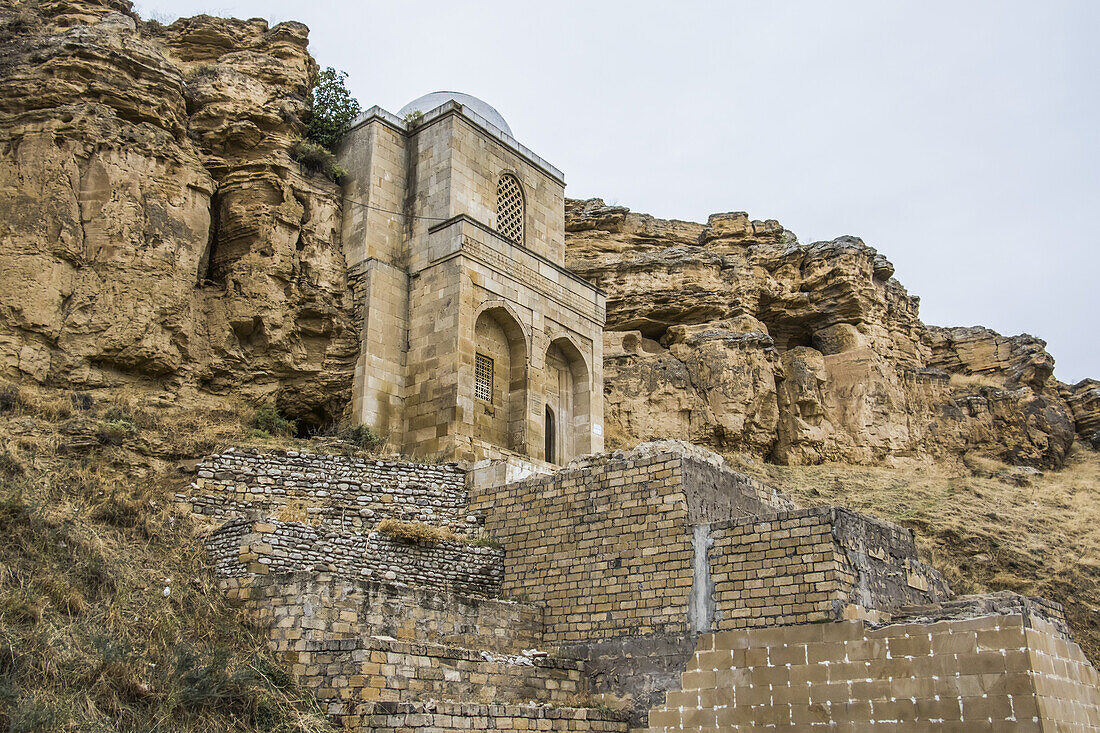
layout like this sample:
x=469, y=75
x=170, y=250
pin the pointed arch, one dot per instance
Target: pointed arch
x=500, y=377
x=568, y=385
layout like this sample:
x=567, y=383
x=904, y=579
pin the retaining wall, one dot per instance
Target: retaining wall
x=245, y=546
x=994, y=673
x=338, y=491
x=326, y=605
x=402, y=717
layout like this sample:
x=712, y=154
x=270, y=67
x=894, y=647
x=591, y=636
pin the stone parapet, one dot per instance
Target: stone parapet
x=243, y=547
x=341, y=491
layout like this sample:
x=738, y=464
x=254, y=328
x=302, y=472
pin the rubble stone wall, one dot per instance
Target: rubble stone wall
x=342, y=491
x=245, y=546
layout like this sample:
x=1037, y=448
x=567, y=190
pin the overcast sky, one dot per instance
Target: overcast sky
x=959, y=138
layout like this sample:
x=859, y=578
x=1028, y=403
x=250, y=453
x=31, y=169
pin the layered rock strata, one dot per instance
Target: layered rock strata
x=736, y=336
x=155, y=230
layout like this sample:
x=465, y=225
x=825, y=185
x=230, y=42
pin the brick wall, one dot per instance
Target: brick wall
x=244, y=546
x=774, y=570
x=323, y=604
x=351, y=493
x=993, y=673
x=605, y=549
x=810, y=565
x=607, y=544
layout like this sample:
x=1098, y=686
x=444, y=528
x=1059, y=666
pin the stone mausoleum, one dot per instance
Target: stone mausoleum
x=476, y=341
x=515, y=586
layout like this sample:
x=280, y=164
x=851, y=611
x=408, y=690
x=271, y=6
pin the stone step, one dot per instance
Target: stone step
x=343, y=674
x=391, y=717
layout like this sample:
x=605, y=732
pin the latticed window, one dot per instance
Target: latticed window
x=483, y=378
x=510, y=208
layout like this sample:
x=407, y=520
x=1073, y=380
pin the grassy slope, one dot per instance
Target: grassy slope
x=88, y=535
x=89, y=540
x=983, y=532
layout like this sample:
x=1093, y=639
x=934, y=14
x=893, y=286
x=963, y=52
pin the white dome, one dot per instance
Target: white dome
x=430, y=101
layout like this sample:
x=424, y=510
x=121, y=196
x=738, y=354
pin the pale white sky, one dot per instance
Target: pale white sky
x=959, y=138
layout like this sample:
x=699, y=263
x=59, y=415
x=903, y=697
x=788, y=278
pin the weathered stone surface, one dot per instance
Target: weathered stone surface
x=155, y=230
x=1083, y=399
x=739, y=337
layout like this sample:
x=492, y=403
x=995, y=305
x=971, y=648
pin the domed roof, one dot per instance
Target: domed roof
x=430, y=101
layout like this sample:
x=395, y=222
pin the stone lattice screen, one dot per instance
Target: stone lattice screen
x=333, y=490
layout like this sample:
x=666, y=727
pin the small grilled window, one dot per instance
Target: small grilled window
x=483, y=378
x=510, y=208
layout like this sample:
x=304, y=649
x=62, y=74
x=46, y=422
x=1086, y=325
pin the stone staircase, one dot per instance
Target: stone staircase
x=387, y=633
x=335, y=636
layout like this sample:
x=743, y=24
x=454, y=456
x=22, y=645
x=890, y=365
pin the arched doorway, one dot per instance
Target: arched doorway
x=569, y=421
x=500, y=379
x=550, y=434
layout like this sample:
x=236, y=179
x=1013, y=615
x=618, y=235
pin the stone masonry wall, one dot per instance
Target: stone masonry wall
x=324, y=603
x=1008, y=673
x=605, y=549
x=812, y=565
x=665, y=540
x=327, y=630
x=245, y=546
x=342, y=491
x=402, y=717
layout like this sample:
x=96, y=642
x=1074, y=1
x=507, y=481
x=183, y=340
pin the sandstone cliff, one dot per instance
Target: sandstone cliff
x=736, y=336
x=153, y=229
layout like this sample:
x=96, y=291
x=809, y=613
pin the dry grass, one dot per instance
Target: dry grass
x=974, y=381
x=979, y=525
x=416, y=531
x=89, y=540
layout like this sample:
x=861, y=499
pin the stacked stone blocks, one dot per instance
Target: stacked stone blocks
x=621, y=561
x=812, y=565
x=991, y=673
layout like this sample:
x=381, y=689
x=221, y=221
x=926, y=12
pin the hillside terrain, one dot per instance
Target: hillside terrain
x=167, y=268
x=110, y=618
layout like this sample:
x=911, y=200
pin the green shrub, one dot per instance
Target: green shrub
x=361, y=435
x=115, y=431
x=313, y=157
x=269, y=420
x=333, y=109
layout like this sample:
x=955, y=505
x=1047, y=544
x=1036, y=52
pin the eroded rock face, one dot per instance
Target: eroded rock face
x=155, y=230
x=1083, y=399
x=736, y=335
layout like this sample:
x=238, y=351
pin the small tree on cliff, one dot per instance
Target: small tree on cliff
x=334, y=109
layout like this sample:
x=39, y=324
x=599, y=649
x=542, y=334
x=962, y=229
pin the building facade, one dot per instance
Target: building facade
x=476, y=341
